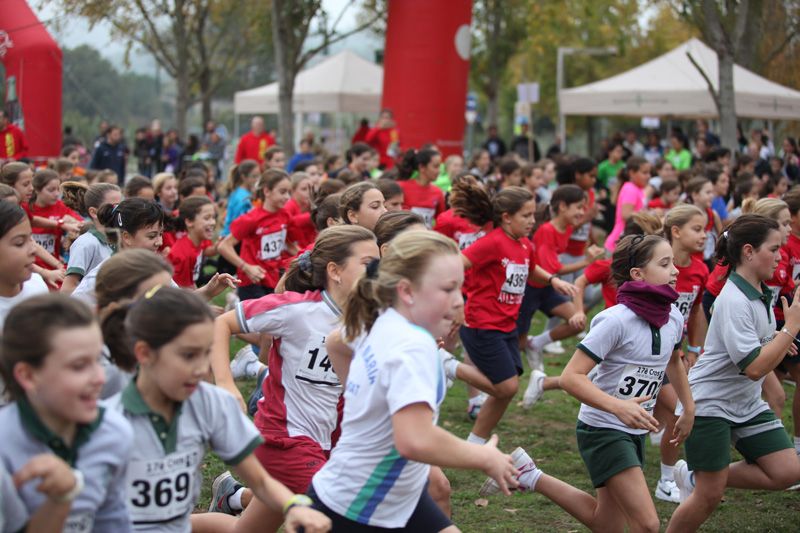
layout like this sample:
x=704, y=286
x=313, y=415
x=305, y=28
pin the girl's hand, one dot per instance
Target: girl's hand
x=791, y=313
x=689, y=360
x=631, y=413
x=217, y=285
x=500, y=467
x=567, y=289
x=594, y=252
x=683, y=427
x=300, y=518
x=54, y=278
x=70, y=227
x=56, y=476
x=254, y=272
x=578, y=321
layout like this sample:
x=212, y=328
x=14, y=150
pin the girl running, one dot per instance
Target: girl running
x=741, y=348
x=376, y=475
x=631, y=197
x=458, y=228
x=241, y=182
x=500, y=263
x=51, y=363
x=263, y=234
x=392, y=194
x=300, y=202
x=176, y=417
x=420, y=195
x=45, y=203
x=299, y=417
x=632, y=344
x=165, y=185
x=198, y=216
x=139, y=187
x=700, y=192
x=362, y=204
x=91, y=248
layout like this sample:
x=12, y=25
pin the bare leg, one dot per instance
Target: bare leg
x=495, y=406
x=439, y=489
x=708, y=491
x=775, y=471
x=471, y=391
x=794, y=372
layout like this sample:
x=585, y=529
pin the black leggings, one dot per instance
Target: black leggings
x=426, y=518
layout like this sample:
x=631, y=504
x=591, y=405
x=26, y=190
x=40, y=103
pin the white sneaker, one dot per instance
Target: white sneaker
x=474, y=405
x=231, y=299
x=534, y=356
x=554, y=347
x=684, y=479
x=667, y=491
x=243, y=358
x=523, y=463
x=535, y=389
x=450, y=363
x=655, y=438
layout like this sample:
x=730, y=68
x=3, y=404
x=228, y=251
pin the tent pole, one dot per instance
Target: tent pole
x=298, y=127
x=235, y=137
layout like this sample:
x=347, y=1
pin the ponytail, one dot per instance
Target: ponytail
x=238, y=173
x=747, y=229
x=80, y=197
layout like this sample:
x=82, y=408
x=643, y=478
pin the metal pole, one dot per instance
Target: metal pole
x=562, y=126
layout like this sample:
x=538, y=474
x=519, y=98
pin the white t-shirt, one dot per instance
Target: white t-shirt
x=631, y=356
x=88, y=251
x=163, y=478
x=302, y=391
x=13, y=514
x=33, y=287
x=742, y=323
x=85, y=289
x=366, y=480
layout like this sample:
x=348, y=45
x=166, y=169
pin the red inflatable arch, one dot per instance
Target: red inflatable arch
x=426, y=66
x=32, y=61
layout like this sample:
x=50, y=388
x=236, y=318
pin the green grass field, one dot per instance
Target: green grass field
x=547, y=431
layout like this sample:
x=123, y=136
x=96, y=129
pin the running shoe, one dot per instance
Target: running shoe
x=223, y=486
x=450, y=363
x=243, y=359
x=522, y=462
x=535, y=389
x=684, y=479
x=474, y=405
x=554, y=347
x=667, y=491
x=534, y=356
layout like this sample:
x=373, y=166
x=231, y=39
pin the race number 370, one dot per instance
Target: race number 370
x=637, y=381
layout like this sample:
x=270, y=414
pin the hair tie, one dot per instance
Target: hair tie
x=304, y=262
x=372, y=268
x=149, y=294
x=725, y=234
x=115, y=211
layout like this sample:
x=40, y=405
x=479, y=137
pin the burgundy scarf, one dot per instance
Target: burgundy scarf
x=649, y=302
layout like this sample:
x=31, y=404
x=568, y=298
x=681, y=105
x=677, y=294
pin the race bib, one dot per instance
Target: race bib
x=581, y=233
x=637, y=381
x=711, y=245
x=316, y=367
x=516, y=277
x=46, y=241
x=684, y=303
x=427, y=214
x=465, y=240
x=79, y=523
x=160, y=490
x=272, y=244
x=198, y=265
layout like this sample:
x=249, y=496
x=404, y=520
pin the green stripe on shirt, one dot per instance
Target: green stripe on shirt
x=375, y=479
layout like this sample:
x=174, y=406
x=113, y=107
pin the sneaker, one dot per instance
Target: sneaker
x=534, y=356
x=554, y=347
x=224, y=486
x=668, y=491
x=243, y=358
x=535, y=389
x=231, y=299
x=684, y=479
x=474, y=405
x=655, y=438
x=523, y=464
x=450, y=363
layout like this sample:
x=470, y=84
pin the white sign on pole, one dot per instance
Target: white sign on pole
x=528, y=93
x=651, y=123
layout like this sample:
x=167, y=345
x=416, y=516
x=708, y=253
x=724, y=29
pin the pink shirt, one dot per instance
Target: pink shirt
x=630, y=193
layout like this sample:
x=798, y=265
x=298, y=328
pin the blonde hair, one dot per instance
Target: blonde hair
x=679, y=216
x=649, y=223
x=160, y=179
x=768, y=207
x=407, y=257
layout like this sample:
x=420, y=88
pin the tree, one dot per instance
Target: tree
x=499, y=27
x=197, y=42
x=733, y=28
x=291, y=24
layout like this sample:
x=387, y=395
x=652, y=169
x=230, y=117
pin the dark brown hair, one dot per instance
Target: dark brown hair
x=391, y=224
x=747, y=229
x=473, y=203
x=633, y=251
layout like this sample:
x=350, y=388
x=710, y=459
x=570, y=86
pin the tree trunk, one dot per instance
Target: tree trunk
x=182, y=103
x=286, y=73
x=205, y=91
x=727, y=103
x=492, y=107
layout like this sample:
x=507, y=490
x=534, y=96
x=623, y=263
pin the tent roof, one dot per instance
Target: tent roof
x=671, y=85
x=344, y=82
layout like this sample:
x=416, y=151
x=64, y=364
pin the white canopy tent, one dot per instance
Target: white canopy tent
x=343, y=83
x=670, y=85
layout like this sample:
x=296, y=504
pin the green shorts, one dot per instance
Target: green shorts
x=607, y=452
x=708, y=448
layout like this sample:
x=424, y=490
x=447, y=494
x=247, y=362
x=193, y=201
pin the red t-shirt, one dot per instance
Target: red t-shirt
x=263, y=236
x=458, y=228
x=500, y=267
x=717, y=279
x=291, y=208
x=385, y=141
x=580, y=236
x=303, y=229
x=658, y=203
x=781, y=284
x=600, y=272
x=187, y=260
x=424, y=200
x=50, y=238
x=792, y=248
x=12, y=143
x=253, y=147
x=549, y=243
x=691, y=280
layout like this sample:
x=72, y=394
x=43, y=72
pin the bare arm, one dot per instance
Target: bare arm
x=680, y=382
x=339, y=354
x=226, y=249
x=774, y=351
x=225, y=325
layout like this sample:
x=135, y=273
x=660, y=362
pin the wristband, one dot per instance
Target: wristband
x=784, y=330
x=73, y=493
x=298, y=500
x=550, y=279
x=694, y=349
